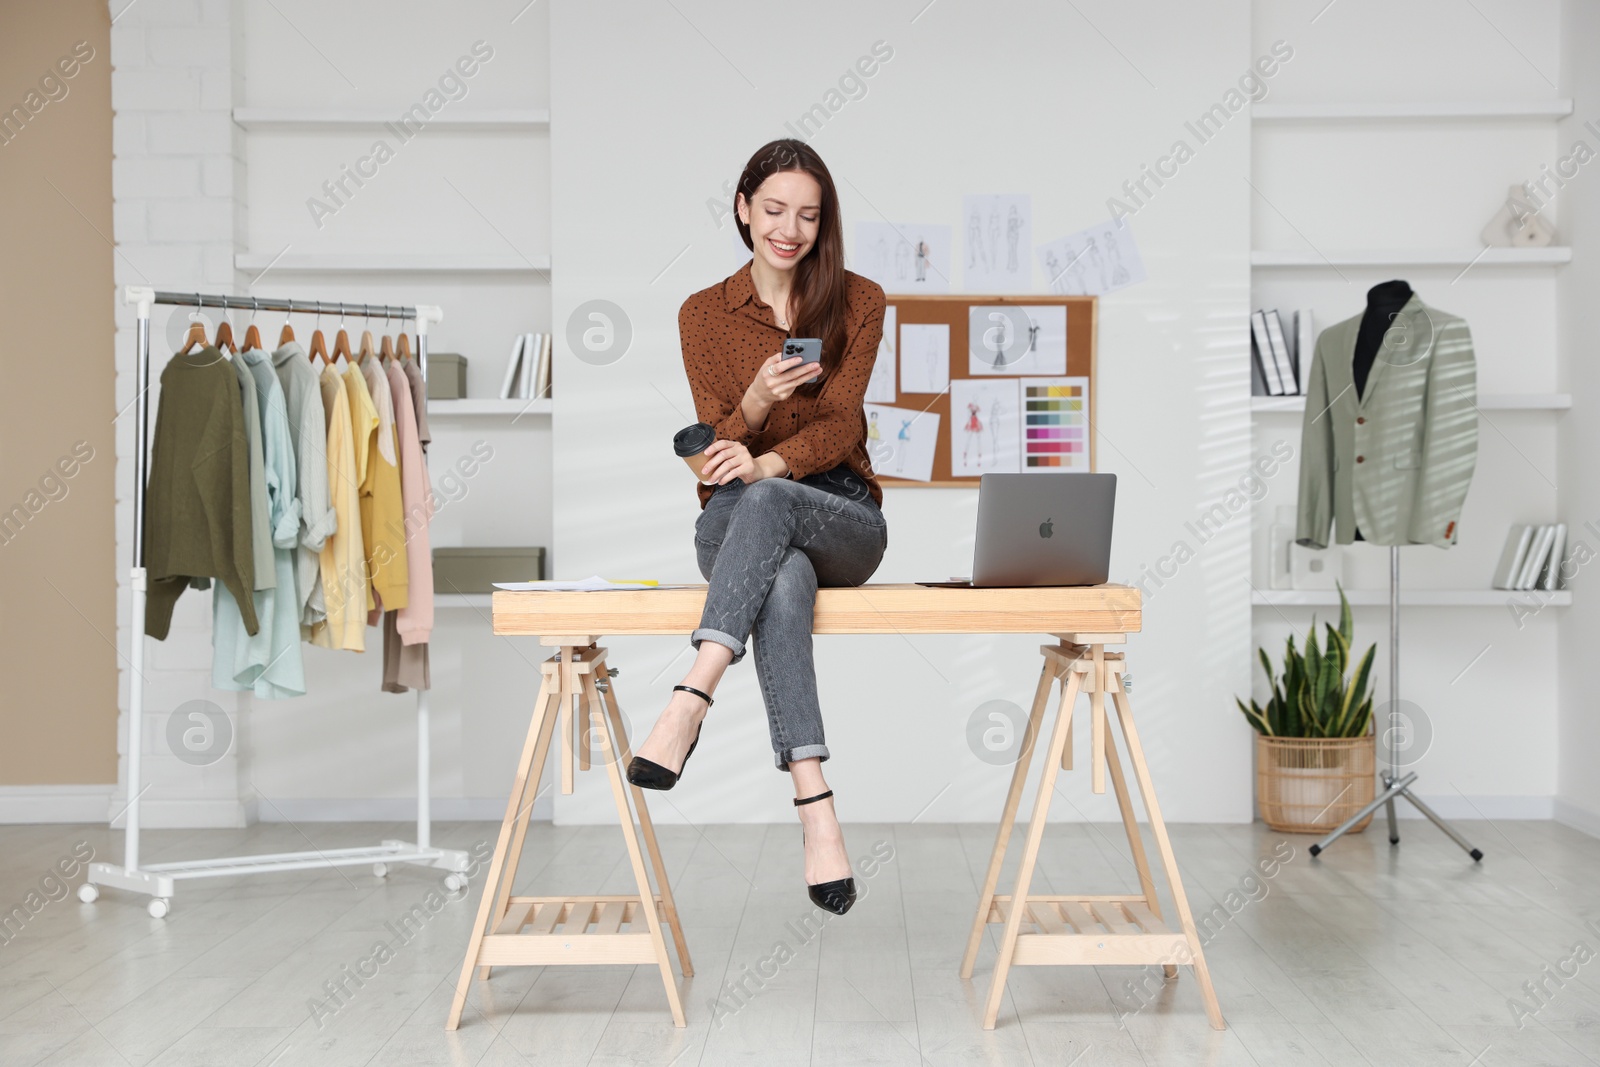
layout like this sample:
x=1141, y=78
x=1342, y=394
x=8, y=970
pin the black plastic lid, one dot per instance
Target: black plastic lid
x=693, y=440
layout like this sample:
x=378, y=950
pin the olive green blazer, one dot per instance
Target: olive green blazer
x=1395, y=463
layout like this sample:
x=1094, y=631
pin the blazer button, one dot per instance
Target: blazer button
x=1361, y=420
x=1361, y=459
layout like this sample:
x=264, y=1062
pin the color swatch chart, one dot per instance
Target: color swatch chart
x=1055, y=433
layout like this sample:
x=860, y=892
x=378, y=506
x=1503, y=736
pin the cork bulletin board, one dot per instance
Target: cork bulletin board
x=1018, y=407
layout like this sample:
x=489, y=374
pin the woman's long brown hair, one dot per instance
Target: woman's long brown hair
x=818, y=295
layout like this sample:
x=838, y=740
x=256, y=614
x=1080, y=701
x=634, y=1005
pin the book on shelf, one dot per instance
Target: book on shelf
x=513, y=369
x=1261, y=350
x=1538, y=552
x=530, y=358
x=1512, y=556
x=1280, y=354
x=1551, y=579
x=1532, y=557
x=541, y=380
x=1305, y=345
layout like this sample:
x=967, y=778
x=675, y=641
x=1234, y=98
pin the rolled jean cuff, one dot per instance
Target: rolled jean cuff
x=803, y=752
x=705, y=633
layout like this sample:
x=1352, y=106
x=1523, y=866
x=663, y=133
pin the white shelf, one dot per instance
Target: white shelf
x=319, y=118
x=1411, y=598
x=1487, y=402
x=479, y=406
x=392, y=262
x=1458, y=109
x=1398, y=257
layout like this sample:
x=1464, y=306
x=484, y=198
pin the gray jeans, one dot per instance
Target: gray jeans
x=765, y=548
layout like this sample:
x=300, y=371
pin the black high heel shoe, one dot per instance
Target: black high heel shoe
x=835, y=896
x=647, y=774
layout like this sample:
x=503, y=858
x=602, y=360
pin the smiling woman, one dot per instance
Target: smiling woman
x=789, y=502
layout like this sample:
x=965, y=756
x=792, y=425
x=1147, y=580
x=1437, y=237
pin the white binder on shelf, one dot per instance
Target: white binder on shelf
x=513, y=368
x=1550, y=580
x=1538, y=551
x=1280, y=354
x=1263, y=354
x=1512, y=556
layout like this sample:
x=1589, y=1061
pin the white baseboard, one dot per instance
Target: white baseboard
x=97, y=803
x=1578, y=817
x=1495, y=806
x=394, y=809
x=55, y=803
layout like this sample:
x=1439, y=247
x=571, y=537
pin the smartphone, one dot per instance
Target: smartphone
x=809, y=349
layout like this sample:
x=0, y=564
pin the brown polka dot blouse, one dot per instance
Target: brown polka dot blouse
x=727, y=333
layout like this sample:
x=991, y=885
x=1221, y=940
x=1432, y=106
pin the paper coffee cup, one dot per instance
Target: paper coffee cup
x=691, y=442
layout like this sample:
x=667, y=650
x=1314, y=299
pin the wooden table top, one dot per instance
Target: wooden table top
x=863, y=609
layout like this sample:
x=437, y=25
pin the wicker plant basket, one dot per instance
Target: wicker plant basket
x=1309, y=785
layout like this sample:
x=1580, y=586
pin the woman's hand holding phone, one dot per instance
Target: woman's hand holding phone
x=779, y=377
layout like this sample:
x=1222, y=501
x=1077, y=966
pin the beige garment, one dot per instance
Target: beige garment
x=343, y=557
x=364, y=432
x=406, y=632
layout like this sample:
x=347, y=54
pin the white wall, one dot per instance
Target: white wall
x=1422, y=184
x=1578, y=215
x=649, y=124
x=653, y=113
x=194, y=190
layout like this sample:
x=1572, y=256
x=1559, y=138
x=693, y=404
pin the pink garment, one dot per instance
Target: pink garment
x=415, y=622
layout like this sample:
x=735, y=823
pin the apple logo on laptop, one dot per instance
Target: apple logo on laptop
x=1044, y=528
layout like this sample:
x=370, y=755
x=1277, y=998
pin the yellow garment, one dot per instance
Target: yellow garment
x=386, y=547
x=343, y=557
x=364, y=432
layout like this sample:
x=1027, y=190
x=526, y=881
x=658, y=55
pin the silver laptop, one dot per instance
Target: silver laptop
x=1042, y=529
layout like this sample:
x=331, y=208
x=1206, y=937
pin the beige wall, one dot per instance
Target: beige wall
x=58, y=660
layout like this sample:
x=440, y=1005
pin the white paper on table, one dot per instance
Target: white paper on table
x=904, y=257
x=984, y=437
x=880, y=387
x=1016, y=339
x=997, y=242
x=593, y=582
x=1055, y=428
x=904, y=443
x=1100, y=259
x=924, y=357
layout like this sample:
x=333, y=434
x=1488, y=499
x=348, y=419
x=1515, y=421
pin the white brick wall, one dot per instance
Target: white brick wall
x=177, y=221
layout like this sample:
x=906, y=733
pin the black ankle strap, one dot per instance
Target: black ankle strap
x=699, y=693
x=813, y=800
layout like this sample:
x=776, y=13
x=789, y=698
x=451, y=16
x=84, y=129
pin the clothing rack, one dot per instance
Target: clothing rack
x=158, y=880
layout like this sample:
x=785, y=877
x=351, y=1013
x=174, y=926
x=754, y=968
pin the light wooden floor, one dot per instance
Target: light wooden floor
x=1403, y=957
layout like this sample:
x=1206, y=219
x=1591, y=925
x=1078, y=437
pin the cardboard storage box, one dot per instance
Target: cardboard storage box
x=475, y=570
x=447, y=376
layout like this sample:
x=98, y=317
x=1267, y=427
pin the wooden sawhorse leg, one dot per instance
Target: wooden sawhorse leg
x=571, y=929
x=1080, y=929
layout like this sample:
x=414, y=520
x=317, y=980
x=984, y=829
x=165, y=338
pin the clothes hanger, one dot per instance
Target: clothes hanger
x=386, y=349
x=367, y=351
x=287, y=333
x=224, y=339
x=341, y=343
x=197, y=329
x=319, y=344
x=403, y=345
x=252, y=336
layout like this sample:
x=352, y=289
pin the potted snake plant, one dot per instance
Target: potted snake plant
x=1316, y=754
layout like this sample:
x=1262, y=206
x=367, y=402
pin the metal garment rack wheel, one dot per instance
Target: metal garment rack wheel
x=1394, y=784
x=158, y=881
